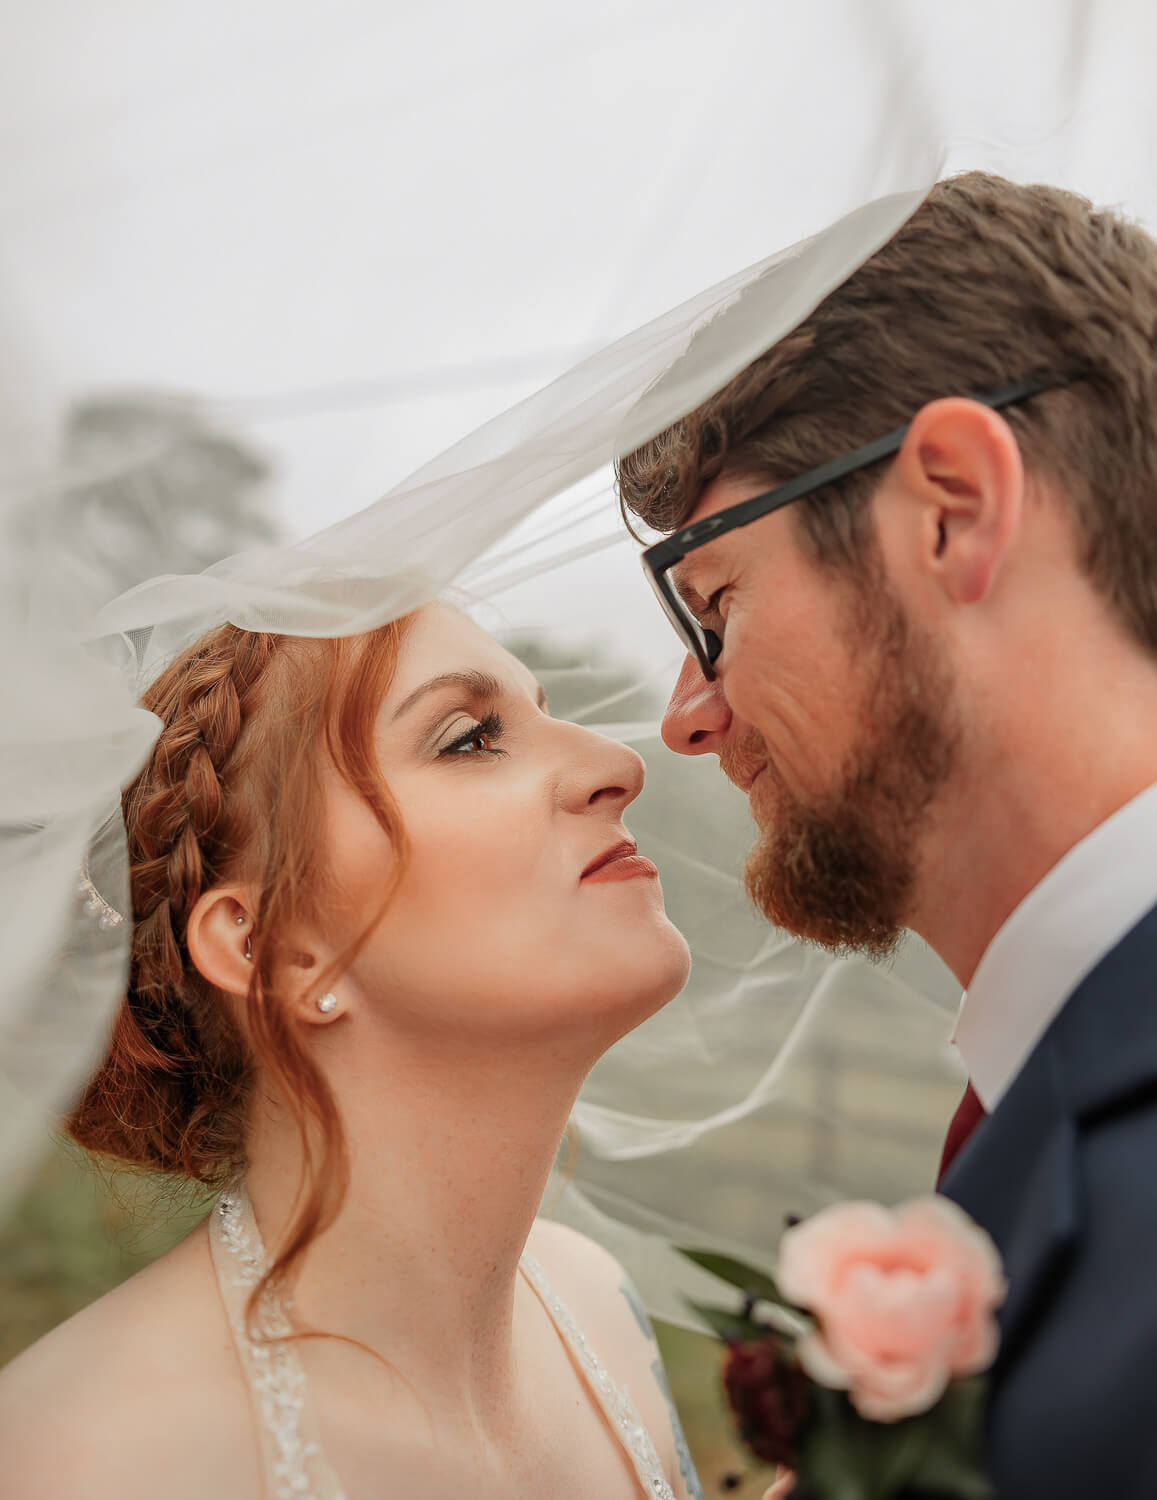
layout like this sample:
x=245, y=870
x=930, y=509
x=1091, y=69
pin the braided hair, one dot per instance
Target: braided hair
x=233, y=790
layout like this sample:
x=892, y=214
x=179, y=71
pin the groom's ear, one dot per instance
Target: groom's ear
x=961, y=478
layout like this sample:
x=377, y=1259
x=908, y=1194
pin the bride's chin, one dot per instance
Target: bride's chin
x=659, y=985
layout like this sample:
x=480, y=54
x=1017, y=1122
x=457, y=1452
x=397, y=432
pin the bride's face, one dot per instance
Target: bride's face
x=495, y=929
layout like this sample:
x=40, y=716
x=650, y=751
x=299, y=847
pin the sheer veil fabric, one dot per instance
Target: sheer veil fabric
x=780, y=1078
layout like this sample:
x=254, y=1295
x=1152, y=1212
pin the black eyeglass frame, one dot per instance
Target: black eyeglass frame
x=660, y=557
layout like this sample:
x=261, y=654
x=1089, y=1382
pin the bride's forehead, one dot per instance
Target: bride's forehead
x=440, y=638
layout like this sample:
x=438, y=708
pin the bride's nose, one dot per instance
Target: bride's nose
x=605, y=775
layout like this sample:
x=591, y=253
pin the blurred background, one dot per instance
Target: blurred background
x=169, y=490
x=260, y=260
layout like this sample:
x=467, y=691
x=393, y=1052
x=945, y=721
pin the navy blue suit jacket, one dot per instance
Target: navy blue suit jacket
x=1063, y=1175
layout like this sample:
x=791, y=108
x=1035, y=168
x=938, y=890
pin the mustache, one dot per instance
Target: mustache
x=745, y=755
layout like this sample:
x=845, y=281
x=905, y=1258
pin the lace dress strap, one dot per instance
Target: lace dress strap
x=615, y=1401
x=293, y=1464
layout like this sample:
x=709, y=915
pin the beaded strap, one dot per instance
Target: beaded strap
x=294, y=1463
x=615, y=1402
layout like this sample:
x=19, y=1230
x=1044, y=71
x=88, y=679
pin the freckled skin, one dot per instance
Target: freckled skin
x=498, y=842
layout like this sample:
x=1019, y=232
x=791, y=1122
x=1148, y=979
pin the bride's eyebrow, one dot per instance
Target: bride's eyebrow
x=477, y=684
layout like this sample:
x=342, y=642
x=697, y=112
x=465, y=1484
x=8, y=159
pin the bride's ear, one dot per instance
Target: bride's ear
x=219, y=937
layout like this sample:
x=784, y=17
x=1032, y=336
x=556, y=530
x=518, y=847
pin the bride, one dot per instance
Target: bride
x=386, y=919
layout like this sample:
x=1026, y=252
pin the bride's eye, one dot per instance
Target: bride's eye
x=479, y=739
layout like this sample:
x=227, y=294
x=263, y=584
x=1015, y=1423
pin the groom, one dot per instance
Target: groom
x=922, y=626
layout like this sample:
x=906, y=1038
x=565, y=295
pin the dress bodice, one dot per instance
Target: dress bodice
x=293, y=1462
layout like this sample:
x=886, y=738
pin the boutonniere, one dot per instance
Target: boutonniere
x=861, y=1363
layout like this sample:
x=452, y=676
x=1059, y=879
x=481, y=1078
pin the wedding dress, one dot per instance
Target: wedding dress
x=294, y=1465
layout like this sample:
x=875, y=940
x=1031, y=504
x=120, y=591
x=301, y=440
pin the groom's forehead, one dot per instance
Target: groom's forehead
x=693, y=577
x=697, y=576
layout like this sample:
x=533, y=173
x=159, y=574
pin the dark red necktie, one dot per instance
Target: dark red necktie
x=969, y=1113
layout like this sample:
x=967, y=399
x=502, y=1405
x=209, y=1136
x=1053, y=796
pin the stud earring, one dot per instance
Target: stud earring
x=240, y=920
x=327, y=1003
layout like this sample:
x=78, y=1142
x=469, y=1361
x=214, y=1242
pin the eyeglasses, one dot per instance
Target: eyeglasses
x=705, y=645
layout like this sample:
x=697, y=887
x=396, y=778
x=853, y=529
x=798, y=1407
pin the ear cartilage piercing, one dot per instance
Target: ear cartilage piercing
x=327, y=1003
x=240, y=920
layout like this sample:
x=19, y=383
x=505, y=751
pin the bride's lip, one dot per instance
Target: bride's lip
x=625, y=867
x=624, y=849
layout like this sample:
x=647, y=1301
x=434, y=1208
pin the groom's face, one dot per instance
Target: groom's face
x=833, y=712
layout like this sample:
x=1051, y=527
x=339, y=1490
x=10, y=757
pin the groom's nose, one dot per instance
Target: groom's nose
x=697, y=717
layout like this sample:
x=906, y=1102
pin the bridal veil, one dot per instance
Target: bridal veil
x=348, y=195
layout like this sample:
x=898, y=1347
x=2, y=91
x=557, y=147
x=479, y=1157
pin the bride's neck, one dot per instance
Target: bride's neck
x=449, y=1157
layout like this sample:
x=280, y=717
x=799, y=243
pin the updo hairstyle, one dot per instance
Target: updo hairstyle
x=234, y=791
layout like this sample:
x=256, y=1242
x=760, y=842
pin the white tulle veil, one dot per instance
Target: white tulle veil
x=781, y=1078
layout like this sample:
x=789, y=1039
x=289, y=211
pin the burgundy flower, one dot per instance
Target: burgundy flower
x=769, y=1395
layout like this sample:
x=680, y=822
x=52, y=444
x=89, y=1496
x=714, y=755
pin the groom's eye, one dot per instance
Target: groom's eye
x=712, y=605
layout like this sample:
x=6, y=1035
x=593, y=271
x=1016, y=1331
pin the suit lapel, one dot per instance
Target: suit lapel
x=1019, y=1175
x=1017, y=1178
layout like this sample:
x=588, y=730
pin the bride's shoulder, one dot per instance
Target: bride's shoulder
x=138, y=1394
x=608, y=1309
x=558, y=1247
x=595, y=1288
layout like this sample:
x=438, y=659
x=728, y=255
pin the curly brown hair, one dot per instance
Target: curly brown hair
x=988, y=281
x=233, y=790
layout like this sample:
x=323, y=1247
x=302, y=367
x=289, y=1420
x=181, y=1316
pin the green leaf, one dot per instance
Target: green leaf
x=729, y=1326
x=748, y=1279
x=953, y=1476
x=963, y=1409
x=835, y=1462
x=954, y=1461
x=845, y=1457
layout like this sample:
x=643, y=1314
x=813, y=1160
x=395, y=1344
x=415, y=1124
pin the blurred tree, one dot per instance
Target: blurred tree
x=146, y=483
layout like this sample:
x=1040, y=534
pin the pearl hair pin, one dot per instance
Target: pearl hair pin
x=327, y=1003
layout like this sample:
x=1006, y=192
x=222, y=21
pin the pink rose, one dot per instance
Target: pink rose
x=903, y=1301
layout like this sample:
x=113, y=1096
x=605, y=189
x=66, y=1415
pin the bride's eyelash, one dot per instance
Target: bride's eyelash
x=491, y=726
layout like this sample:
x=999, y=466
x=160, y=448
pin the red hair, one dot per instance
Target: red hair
x=234, y=790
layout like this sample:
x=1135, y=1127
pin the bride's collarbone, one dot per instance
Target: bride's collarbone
x=563, y=1448
x=546, y=1434
x=146, y=1382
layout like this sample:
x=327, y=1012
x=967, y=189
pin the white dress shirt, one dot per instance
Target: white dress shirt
x=1057, y=935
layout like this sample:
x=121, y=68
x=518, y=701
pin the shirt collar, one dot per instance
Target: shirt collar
x=1059, y=933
